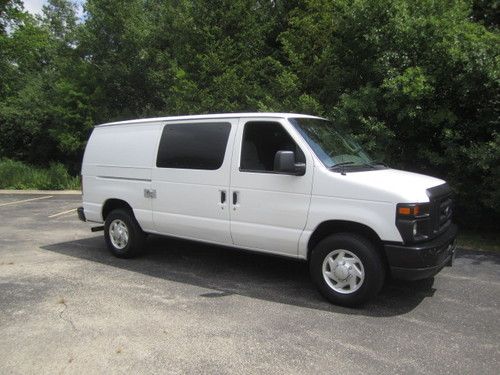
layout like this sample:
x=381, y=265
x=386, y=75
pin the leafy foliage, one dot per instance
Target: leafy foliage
x=416, y=81
x=17, y=175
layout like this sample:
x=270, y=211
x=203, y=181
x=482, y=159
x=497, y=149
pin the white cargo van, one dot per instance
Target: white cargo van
x=278, y=183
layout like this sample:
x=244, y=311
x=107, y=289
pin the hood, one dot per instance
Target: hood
x=388, y=185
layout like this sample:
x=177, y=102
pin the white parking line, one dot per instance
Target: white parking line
x=63, y=213
x=26, y=200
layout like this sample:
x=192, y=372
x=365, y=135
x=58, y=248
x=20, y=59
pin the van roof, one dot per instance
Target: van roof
x=210, y=116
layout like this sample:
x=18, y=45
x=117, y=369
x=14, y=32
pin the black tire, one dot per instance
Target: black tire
x=136, y=237
x=374, y=272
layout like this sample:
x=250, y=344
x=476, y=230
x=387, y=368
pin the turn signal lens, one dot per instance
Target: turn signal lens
x=412, y=210
x=404, y=210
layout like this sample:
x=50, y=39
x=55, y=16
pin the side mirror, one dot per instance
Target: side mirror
x=284, y=162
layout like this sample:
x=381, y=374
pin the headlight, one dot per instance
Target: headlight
x=412, y=219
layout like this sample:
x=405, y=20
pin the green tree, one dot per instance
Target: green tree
x=486, y=12
x=45, y=115
x=113, y=42
x=418, y=82
x=217, y=56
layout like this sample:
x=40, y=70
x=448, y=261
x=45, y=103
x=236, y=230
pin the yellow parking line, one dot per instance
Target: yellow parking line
x=26, y=200
x=63, y=213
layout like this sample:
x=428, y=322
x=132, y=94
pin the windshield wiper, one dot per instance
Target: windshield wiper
x=341, y=164
x=374, y=163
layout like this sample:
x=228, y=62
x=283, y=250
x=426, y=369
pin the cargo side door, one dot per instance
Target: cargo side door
x=190, y=180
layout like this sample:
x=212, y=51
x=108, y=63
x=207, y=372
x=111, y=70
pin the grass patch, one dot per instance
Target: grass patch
x=17, y=175
x=479, y=241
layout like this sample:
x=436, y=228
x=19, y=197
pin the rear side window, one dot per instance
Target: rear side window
x=193, y=146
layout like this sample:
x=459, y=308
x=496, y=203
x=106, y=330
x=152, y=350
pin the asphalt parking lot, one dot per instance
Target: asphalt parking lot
x=68, y=306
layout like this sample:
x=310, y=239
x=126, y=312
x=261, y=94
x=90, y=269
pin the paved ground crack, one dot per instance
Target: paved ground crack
x=68, y=320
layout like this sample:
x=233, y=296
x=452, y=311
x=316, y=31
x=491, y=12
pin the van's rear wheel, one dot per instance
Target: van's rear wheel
x=124, y=237
x=347, y=269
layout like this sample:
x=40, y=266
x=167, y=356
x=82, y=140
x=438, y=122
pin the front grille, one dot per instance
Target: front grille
x=441, y=209
x=444, y=214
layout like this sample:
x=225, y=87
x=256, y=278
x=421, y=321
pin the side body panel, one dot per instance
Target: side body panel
x=188, y=201
x=117, y=164
x=271, y=209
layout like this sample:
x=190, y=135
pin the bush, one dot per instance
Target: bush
x=17, y=175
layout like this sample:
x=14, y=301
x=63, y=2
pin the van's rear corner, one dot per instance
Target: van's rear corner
x=117, y=167
x=80, y=210
x=86, y=213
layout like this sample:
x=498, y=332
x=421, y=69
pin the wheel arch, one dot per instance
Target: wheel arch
x=330, y=227
x=113, y=204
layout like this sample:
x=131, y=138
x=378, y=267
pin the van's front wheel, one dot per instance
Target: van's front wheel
x=347, y=269
x=124, y=237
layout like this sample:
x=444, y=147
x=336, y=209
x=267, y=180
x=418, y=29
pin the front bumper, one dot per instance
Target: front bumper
x=81, y=214
x=422, y=260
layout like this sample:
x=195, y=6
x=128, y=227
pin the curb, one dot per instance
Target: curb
x=41, y=192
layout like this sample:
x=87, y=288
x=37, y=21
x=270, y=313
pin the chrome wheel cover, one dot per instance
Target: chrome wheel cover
x=343, y=271
x=118, y=234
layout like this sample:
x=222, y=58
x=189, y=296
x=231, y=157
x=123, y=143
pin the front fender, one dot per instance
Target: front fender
x=379, y=216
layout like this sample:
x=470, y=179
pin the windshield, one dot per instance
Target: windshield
x=332, y=146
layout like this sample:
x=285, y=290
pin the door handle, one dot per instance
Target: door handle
x=223, y=196
x=149, y=193
x=235, y=197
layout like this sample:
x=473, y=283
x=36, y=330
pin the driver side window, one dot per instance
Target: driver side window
x=261, y=141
